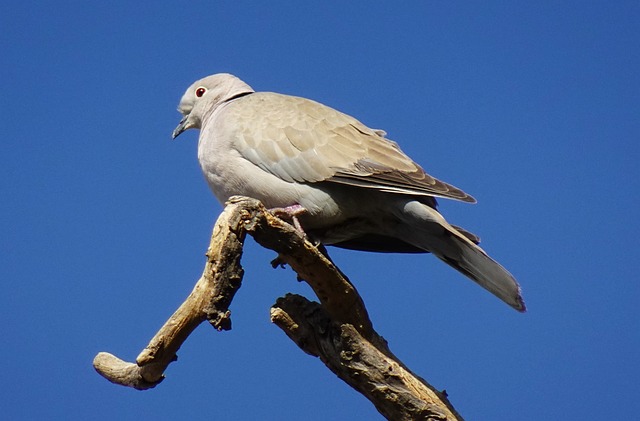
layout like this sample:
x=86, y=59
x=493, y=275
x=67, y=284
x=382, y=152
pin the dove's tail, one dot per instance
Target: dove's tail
x=473, y=262
x=455, y=249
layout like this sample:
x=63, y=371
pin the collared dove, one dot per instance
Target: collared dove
x=348, y=185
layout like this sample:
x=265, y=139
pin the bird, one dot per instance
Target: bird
x=345, y=184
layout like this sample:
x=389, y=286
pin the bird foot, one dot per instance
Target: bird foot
x=290, y=213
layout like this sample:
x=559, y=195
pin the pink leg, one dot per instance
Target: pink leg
x=290, y=212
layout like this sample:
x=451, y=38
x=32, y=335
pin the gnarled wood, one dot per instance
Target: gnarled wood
x=209, y=300
x=337, y=330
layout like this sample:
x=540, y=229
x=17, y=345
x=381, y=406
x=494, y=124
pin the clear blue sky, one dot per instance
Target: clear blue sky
x=532, y=107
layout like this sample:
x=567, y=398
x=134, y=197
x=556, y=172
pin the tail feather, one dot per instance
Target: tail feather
x=428, y=230
x=471, y=236
x=473, y=262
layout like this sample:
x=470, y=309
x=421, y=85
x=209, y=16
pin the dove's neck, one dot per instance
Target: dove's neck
x=241, y=94
x=236, y=88
x=233, y=88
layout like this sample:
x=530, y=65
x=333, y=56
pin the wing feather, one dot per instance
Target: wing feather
x=300, y=140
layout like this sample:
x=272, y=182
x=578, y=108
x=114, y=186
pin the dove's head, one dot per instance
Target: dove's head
x=204, y=96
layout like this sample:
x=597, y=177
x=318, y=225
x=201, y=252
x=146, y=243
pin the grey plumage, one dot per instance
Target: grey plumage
x=358, y=188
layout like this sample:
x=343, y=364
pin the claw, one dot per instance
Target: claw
x=291, y=213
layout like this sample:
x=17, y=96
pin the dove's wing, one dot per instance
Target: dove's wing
x=300, y=140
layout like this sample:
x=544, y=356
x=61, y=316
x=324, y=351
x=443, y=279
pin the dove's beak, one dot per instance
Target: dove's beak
x=182, y=126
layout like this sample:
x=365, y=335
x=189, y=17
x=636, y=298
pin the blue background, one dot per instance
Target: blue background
x=532, y=107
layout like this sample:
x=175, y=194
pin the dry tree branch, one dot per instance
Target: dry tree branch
x=209, y=300
x=337, y=330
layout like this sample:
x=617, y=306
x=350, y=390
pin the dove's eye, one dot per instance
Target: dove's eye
x=200, y=91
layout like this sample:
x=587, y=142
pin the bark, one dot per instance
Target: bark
x=337, y=329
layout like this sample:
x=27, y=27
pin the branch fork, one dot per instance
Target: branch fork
x=337, y=330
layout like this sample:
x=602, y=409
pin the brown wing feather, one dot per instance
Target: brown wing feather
x=300, y=140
